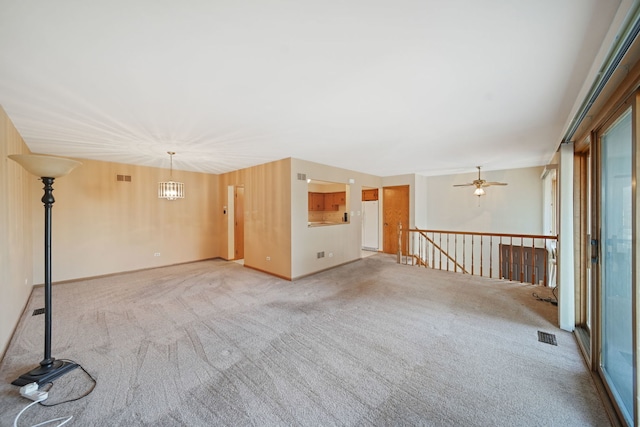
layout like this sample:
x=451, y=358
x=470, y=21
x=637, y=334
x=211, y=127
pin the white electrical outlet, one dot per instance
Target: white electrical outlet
x=268, y=258
x=156, y=254
x=330, y=254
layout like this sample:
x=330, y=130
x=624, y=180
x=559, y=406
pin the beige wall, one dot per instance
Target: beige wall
x=515, y=208
x=341, y=243
x=103, y=226
x=15, y=231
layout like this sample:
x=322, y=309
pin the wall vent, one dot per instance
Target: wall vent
x=320, y=254
x=302, y=177
x=125, y=178
x=38, y=311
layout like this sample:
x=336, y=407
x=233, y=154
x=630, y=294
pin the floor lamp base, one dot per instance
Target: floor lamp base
x=45, y=374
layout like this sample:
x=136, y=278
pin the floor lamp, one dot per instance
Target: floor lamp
x=47, y=168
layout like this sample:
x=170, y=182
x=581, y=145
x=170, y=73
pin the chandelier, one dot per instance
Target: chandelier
x=171, y=189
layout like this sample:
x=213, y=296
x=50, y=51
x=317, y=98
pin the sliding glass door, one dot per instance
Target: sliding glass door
x=616, y=221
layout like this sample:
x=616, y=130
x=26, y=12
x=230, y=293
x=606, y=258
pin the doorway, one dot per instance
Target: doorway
x=395, y=211
x=238, y=223
x=370, y=219
x=585, y=258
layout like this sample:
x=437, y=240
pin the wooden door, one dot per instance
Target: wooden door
x=238, y=223
x=395, y=209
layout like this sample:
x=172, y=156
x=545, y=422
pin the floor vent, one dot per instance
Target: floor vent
x=38, y=311
x=547, y=338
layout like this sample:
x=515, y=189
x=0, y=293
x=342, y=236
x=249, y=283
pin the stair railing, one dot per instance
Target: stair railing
x=529, y=258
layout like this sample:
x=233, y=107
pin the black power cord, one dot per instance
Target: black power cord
x=77, y=398
x=549, y=300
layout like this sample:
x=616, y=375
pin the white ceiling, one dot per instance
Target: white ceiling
x=377, y=86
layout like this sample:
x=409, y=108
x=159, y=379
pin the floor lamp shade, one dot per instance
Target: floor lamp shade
x=47, y=168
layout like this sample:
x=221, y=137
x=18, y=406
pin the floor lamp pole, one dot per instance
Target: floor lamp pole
x=49, y=368
x=47, y=200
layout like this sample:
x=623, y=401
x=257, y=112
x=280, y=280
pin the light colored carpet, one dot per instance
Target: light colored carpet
x=368, y=343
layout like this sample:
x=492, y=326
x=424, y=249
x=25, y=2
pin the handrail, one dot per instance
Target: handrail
x=521, y=257
x=440, y=249
x=479, y=233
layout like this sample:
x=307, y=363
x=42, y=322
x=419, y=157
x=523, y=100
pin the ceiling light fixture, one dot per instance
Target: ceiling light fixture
x=171, y=189
x=479, y=192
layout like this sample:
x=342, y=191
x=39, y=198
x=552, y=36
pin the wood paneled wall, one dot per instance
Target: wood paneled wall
x=104, y=226
x=15, y=231
x=267, y=215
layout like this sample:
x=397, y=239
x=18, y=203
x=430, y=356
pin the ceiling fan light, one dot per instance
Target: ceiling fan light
x=479, y=192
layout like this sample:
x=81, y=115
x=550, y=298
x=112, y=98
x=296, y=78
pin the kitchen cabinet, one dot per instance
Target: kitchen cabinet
x=327, y=201
x=369, y=195
x=316, y=201
x=332, y=201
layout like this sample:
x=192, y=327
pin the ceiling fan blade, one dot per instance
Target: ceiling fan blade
x=480, y=183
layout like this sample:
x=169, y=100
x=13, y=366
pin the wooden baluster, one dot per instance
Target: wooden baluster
x=511, y=258
x=500, y=272
x=491, y=256
x=464, y=253
x=399, y=258
x=546, y=264
x=533, y=261
x=440, y=244
x=412, y=245
x=521, y=260
x=472, y=257
x=455, y=253
x=433, y=251
x=481, y=252
x=447, y=251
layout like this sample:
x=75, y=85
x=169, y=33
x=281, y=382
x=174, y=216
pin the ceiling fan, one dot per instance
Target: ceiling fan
x=480, y=184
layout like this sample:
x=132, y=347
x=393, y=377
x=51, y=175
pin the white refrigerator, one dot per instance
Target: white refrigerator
x=370, y=225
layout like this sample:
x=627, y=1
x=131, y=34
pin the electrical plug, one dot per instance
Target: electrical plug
x=30, y=391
